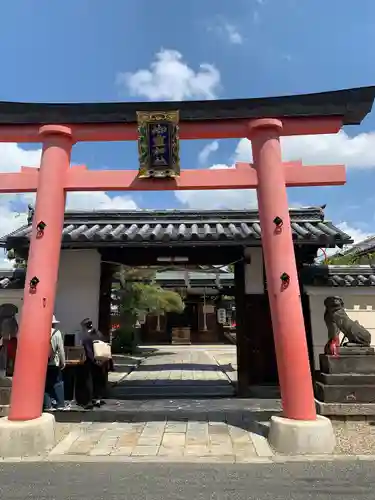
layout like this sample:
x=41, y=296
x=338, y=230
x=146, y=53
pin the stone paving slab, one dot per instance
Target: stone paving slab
x=193, y=440
x=124, y=364
x=176, y=371
x=186, y=441
x=226, y=359
x=175, y=364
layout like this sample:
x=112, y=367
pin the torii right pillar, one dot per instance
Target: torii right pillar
x=300, y=430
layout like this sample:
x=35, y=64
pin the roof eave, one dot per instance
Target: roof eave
x=24, y=243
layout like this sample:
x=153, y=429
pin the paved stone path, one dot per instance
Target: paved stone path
x=169, y=440
x=235, y=441
x=226, y=358
x=124, y=364
x=179, y=371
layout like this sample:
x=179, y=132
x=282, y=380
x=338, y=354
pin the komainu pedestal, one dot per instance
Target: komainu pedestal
x=347, y=369
x=347, y=377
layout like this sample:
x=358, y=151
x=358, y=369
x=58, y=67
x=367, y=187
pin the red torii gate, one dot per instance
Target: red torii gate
x=58, y=129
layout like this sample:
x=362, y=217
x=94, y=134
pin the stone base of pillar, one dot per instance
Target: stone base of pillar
x=302, y=437
x=27, y=438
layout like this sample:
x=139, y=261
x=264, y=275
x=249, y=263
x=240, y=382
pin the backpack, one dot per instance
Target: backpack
x=102, y=351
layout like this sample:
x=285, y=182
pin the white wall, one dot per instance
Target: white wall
x=78, y=289
x=254, y=279
x=359, y=305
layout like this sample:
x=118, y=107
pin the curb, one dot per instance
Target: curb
x=276, y=460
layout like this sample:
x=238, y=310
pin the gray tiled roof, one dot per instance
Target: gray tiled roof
x=364, y=247
x=339, y=276
x=359, y=249
x=183, y=226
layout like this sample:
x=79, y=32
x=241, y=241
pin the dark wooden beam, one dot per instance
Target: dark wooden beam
x=104, y=320
x=142, y=256
x=241, y=326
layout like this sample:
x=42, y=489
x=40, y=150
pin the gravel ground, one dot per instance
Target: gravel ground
x=355, y=438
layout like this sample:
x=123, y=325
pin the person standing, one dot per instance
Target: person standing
x=8, y=332
x=54, y=397
x=96, y=371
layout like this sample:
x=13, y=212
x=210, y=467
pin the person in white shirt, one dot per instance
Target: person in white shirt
x=54, y=398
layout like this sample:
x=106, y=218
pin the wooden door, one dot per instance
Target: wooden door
x=261, y=356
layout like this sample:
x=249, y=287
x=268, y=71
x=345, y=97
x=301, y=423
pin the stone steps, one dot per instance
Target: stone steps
x=346, y=378
x=345, y=393
x=131, y=410
x=153, y=391
x=140, y=382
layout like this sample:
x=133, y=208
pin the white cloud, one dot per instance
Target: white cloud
x=12, y=157
x=357, y=151
x=227, y=31
x=219, y=199
x=171, y=78
x=9, y=221
x=354, y=152
x=256, y=17
x=98, y=200
x=207, y=150
x=356, y=233
x=234, y=35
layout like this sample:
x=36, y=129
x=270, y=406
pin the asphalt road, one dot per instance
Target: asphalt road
x=94, y=481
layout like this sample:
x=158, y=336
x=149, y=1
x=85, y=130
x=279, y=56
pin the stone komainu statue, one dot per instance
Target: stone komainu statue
x=337, y=321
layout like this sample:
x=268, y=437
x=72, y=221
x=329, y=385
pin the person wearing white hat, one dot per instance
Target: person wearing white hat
x=54, y=390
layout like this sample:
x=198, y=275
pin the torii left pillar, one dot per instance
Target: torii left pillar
x=43, y=263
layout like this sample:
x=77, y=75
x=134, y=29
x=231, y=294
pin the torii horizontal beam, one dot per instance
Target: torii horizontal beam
x=243, y=176
x=215, y=129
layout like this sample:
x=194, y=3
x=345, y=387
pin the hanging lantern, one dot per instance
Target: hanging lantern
x=158, y=144
x=221, y=316
x=142, y=318
x=187, y=279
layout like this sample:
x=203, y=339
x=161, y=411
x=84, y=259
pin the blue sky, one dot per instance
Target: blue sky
x=93, y=50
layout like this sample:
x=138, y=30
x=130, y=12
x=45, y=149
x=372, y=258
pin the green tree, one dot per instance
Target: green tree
x=19, y=262
x=351, y=259
x=137, y=294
